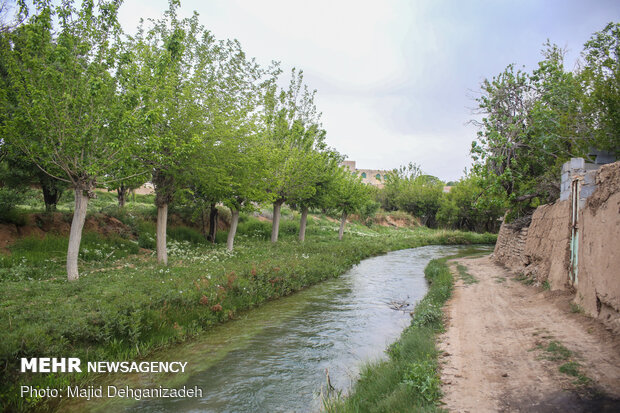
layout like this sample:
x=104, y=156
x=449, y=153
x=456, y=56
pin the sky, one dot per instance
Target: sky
x=396, y=80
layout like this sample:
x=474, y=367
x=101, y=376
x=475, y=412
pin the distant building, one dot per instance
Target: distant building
x=374, y=177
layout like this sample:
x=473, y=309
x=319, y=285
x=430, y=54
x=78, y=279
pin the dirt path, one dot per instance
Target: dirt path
x=505, y=343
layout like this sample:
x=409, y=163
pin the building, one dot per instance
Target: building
x=374, y=177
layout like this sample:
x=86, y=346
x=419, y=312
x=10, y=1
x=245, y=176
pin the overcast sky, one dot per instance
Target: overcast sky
x=396, y=79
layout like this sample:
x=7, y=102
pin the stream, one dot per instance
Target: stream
x=274, y=358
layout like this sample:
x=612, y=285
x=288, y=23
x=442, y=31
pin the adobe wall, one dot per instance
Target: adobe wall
x=598, y=276
x=546, y=252
x=542, y=250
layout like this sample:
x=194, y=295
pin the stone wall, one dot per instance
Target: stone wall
x=598, y=276
x=510, y=245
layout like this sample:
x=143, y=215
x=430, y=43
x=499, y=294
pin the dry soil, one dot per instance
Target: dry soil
x=493, y=356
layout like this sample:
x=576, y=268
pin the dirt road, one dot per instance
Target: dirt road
x=514, y=347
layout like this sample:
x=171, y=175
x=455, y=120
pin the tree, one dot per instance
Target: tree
x=323, y=169
x=408, y=189
x=292, y=123
x=600, y=78
x=532, y=123
x=469, y=207
x=60, y=66
x=169, y=75
x=349, y=196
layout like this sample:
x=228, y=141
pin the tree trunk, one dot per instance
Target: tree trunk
x=234, y=221
x=162, y=221
x=51, y=193
x=122, y=195
x=275, y=226
x=343, y=221
x=202, y=223
x=213, y=214
x=302, y=224
x=75, y=236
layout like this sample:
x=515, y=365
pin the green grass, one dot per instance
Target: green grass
x=572, y=368
x=576, y=308
x=409, y=380
x=125, y=305
x=556, y=351
x=465, y=275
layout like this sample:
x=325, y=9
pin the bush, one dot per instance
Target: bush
x=9, y=198
x=255, y=229
x=186, y=234
x=289, y=227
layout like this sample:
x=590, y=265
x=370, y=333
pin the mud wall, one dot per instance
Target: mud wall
x=546, y=253
x=542, y=250
x=598, y=276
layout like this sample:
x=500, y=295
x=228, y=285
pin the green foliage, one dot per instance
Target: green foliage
x=533, y=122
x=407, y=189
x=422, y=377
x=9, y=198
x=186, y=234
x=468, y=207
x=600, y=78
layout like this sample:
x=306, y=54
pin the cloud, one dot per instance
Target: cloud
x=395, y=78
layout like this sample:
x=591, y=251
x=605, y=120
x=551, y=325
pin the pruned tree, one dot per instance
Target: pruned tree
x=348, y=196
x=60, y=64
x=171, y=66
x=292, y=123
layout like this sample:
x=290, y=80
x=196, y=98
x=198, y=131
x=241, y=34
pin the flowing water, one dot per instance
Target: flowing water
x=275, y=358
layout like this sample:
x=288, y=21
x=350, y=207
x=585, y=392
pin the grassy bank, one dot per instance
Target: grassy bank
x=125, y=305
x=408, y=381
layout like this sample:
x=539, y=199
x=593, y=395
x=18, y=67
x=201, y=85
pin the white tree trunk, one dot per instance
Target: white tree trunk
x=343, y=221
x=302, y=224
x=234, y=220
x=75, y=236
x=275, y=227
x=162, y=221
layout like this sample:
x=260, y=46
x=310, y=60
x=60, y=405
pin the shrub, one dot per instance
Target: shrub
x=186, y=234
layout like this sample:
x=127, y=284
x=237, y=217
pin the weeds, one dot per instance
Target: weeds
x=465, y=275
x=576, y=308
x=556, y=351
x=572, y=368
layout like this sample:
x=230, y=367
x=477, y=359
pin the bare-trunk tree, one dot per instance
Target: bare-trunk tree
x=234, y=221
x=275, y=227
x=122, y=195
x=51, y=191
x=164, y=193
x=75, y=236
x=302, y=224
x=343, y=221
x=213, y=219
x=162, y=222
